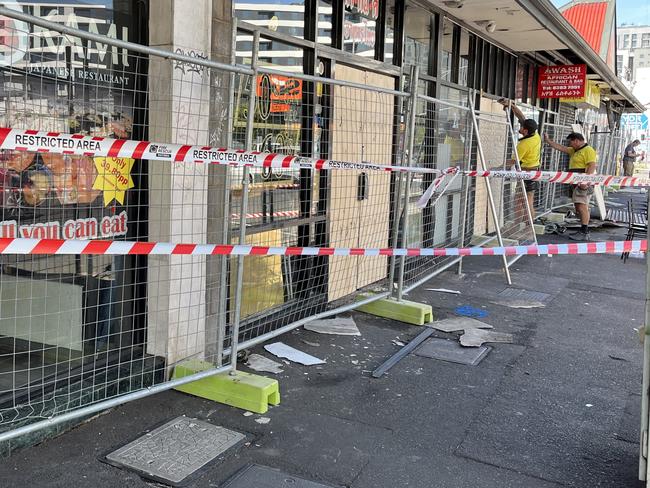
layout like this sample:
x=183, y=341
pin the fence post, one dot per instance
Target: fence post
x=225, y=230
x=493, y=209
x=520, y=183
x=413, y=89
x=244, y=206
x=465, y=198
x=399, y=178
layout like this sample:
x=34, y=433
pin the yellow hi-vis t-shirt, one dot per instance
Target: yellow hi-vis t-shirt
x=580, y=159
x=529, y=150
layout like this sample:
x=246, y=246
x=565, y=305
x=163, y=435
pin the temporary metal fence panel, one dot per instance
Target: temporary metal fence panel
x=78, y=330
x=442, y=139
x=84, y=331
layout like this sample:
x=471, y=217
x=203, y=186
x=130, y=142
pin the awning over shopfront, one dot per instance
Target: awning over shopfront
x=537, y=26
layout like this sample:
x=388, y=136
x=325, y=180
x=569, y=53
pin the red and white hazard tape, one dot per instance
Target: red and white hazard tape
x=77, y=144
x=77, y=247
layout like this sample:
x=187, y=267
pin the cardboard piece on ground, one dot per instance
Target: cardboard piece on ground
x=258, y=362
x=459, y=324
x=600, y=201
x=476, y=337
x=281, y=350
x=336, y=326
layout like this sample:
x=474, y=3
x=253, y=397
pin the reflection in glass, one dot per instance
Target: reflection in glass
x=417, y=37
x=446, y=48
x=284, y=16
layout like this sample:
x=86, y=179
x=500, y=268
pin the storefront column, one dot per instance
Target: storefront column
x=178, y=194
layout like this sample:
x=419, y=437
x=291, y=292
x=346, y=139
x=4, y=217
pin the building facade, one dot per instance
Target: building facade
x=127, y=308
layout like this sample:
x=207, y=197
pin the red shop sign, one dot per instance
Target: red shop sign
x=564, y=81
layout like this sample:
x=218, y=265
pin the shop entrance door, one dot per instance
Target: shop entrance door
x=359, y=202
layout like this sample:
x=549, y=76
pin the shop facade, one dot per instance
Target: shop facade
x=125, y=313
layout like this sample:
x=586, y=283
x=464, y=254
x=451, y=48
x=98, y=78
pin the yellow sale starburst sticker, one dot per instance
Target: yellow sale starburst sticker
x=113, y=178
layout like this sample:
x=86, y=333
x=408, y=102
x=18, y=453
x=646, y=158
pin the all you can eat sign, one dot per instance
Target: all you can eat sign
x=565, y=81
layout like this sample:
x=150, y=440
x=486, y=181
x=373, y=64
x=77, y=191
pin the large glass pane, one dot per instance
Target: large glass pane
x=285, y=16
x=446, y=48
x=276, y=128
x=359, y=27
x=389, y=37
x=325, y=23
x=464, y=58
x=58, y=311
x=417, y=37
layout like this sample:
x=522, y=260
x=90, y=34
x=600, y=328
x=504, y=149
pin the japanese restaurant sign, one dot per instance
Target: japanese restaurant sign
x=565, y=81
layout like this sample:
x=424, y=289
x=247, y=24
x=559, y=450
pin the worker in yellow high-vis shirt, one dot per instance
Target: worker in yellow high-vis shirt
x=582, y=159
x=529, y=150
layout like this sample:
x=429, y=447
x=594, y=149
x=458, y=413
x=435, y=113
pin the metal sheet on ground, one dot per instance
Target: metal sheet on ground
x=520, y=294
x=175, y=450
x=451, y=351
x=265, y=477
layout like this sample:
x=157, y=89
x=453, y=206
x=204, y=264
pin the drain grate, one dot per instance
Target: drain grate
x=265, y=477
x=175, y=450
x=521, y=294
x=452, y=352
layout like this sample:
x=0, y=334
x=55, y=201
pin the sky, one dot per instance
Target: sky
x=627, y=11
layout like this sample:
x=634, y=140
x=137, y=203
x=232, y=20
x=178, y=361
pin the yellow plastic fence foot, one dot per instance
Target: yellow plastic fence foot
x=404, y=311
x=242, y=390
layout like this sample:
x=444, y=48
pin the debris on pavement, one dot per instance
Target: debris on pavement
x=458, y=324
x=247, y=414
x=397, y=342
x=469, y=311
x=309, y=343
x=336, y=326
x=444, y=290
x=281, y=350
x=263, y=420
x=258, y=362
x=519, y=303
x=399, y=355
x=476, y=337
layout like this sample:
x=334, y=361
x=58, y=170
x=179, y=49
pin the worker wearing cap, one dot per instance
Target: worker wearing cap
x=529, y=149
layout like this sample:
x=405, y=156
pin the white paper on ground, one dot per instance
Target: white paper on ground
x=257, y=362
x=336, y=326
x=281, y=350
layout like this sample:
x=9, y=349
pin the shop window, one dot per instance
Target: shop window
x=360, y=27
x=325, y=26
x=463, y=62
x=286, y=18
x=389, y=31
x=276, y=128
x=58, y=311
x=417, y=37
x=447, y=51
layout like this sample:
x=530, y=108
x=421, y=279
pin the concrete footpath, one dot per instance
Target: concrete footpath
x=558, y=407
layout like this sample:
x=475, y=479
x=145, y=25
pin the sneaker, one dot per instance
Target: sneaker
x=580, y=236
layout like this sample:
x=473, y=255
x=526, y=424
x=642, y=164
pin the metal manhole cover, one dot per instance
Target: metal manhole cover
x=258, y=476
x=520, y=294
x=174, y=451
x=451, y=351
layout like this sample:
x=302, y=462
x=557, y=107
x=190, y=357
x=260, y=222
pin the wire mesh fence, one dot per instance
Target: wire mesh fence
x=82, y=329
